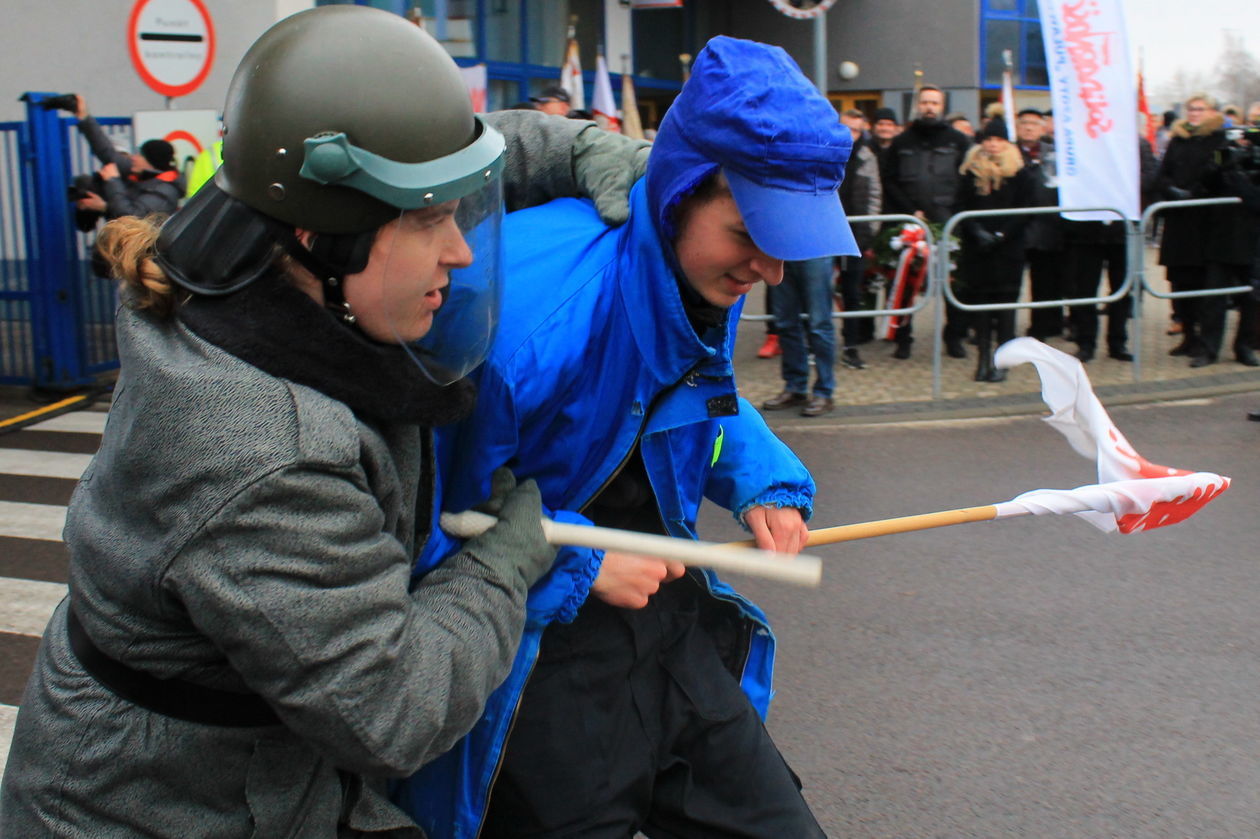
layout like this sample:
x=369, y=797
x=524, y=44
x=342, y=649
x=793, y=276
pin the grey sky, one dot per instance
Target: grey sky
x=1186, y=34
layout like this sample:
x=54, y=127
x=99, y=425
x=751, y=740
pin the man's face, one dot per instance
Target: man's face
x=854, y=124
x=1198, y=110
x=931, y=104
x=1253, y=115
x=718, y=257
x=553, y=106
x=884, y=129
x=1029, y=128
x=965, y=126
x=140, y=163
x=398, y=293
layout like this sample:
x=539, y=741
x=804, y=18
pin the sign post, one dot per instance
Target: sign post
x=171, y=44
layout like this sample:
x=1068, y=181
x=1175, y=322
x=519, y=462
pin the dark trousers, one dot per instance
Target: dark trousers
x=1047, y=281
x=853, y=331
x=1185, y=311
x=1085, y=263
x=632, y=721
x=1210, y=311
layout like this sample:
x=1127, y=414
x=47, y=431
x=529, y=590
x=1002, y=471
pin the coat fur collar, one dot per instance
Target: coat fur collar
x=1183, y=129
x=990, y=170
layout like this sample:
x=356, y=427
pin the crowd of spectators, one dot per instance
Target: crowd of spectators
x=938, y=164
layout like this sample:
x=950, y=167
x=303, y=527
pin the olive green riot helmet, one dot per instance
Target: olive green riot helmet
x=352, y=125
x=340, y=116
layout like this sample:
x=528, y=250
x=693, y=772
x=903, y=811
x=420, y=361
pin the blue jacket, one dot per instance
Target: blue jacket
x=595, y=352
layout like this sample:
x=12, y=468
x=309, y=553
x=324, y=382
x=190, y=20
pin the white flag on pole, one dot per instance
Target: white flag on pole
x=1095, y=106
x=1150, y=495
x=571, y=75
x=602, y=103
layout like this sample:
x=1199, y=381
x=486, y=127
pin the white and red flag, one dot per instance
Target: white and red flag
x=1132, y=493
x=602, y=103
x=571, y=74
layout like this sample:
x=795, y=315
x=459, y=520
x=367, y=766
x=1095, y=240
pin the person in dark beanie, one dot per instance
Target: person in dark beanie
x=140, y=184
x=991, y=262
x=884, y=129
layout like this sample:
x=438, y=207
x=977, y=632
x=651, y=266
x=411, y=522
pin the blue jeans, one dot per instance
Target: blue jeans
x=806, y=289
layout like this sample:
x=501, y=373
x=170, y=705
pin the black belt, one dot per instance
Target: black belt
x=169, y=697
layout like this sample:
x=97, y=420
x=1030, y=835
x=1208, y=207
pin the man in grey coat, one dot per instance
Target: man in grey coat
x=243, y=651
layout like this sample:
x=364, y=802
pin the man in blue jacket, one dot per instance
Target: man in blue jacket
x=637, y=699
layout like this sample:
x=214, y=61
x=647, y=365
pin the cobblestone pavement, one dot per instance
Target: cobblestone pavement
x=891, y=387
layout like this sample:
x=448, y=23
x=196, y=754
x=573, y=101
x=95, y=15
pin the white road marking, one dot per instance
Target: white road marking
x=32, y=521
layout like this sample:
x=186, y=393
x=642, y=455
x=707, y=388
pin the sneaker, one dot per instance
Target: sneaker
x=770, y=348
x=850, y=358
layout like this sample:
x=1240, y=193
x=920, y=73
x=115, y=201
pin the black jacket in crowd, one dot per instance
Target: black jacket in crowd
x=922, y=169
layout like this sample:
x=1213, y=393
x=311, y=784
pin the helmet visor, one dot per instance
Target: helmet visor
x=437, y=279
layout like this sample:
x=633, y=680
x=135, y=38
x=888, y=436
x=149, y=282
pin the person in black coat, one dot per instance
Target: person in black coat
x=991, y=261
x=921, y=176
x=1231, y=254
x=1195, y=141
x=1090, y=245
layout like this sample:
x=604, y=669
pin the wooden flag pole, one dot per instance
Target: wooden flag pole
x=886, y=527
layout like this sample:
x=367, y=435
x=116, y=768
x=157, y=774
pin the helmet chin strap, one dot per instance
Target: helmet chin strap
x=331, y=258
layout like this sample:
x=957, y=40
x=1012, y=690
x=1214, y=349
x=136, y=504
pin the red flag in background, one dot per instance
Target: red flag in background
x=1144, y=108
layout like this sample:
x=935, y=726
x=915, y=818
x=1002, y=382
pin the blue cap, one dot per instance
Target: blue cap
x=748, y=110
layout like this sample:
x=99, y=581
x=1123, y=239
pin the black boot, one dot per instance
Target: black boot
x=984, y=364
x=996, y=374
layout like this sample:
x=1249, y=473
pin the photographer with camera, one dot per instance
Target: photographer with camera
x=127, y=184
x=1230, y=251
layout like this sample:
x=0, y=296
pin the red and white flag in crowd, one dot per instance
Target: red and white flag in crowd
x=602, y=103
x=1095, y=107
x=1133, y=494
x=571, y=74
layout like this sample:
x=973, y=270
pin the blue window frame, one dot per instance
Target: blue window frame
x=521, y=42
x=1013, y=25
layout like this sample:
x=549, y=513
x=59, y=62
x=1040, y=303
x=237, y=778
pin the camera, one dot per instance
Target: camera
x=1242, y=150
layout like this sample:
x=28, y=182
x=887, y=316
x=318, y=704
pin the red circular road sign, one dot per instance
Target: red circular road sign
x=171, y=44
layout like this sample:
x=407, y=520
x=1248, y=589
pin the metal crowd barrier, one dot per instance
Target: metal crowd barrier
x=923, y=298
x=941, y=267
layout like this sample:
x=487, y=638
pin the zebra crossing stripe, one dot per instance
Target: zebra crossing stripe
x=36, y=464
x=30, y=603
x=83, y=422
x=8, y=716
x=32, y=521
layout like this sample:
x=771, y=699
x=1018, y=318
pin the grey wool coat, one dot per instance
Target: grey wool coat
x=247, y=533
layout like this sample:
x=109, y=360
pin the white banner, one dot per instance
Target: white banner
x=1095, y=106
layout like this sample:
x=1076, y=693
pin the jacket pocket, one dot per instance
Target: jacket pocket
x=290, y=791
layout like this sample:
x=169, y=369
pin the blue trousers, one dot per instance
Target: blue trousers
x=806, y=290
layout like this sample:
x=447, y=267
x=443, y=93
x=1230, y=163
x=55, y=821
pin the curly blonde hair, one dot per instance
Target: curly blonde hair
x=127, y=245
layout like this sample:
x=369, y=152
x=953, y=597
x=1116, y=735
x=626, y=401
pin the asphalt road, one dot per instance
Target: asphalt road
x=1029, y=677
x=1026, y=678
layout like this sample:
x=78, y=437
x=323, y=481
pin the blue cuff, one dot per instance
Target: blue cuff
x=779, y=498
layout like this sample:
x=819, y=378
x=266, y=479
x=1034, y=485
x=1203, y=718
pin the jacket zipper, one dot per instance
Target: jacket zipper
x=516, y=708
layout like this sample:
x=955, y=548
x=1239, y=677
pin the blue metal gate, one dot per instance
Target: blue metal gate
x=56, y=319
